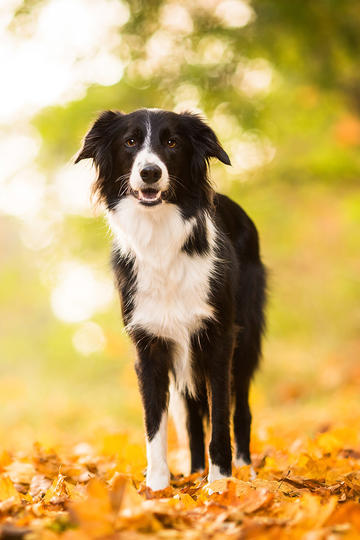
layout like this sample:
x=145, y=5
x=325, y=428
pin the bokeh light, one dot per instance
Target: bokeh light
x=235, y=13
x=89, y=338
x=65, y=46
x=79, y=292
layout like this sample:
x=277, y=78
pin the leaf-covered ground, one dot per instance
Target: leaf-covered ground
x=307, y=486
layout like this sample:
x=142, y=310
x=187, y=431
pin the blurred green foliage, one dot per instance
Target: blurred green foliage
x=300, y=115
x=312, y=48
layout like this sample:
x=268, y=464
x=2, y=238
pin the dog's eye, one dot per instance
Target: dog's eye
x=130, y=142
x=171, y=143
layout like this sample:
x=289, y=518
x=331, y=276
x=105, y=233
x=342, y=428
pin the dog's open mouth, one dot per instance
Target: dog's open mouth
x=148, y=196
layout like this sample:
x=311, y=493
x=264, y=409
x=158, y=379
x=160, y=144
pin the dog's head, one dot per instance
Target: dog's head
x=154, y=156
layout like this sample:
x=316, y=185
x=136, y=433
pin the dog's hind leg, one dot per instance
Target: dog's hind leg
x=218, y=354
x=195, y=425
x=246, y=355
x=242, y=420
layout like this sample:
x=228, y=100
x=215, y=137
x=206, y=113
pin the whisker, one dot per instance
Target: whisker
x=123, y=189
x=177, y=180
x=122, y=177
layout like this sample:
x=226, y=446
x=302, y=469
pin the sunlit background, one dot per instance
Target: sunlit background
x=279, y=82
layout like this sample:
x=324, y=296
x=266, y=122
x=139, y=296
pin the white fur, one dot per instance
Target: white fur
x=214, y=472
x=177, y=409
x=172, y=287
x=145, y=157
x=157, y=474
x=239, y=462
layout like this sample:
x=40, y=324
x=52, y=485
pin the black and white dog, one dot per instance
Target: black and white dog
x=190, y=278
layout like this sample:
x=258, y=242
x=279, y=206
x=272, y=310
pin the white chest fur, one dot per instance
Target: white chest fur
x=171, y=299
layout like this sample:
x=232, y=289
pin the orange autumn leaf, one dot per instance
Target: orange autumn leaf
x=348, y=512
x=5, y=459
x=308, y=488
x=94, y=514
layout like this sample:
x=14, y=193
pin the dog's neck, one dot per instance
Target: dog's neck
x=157, y=233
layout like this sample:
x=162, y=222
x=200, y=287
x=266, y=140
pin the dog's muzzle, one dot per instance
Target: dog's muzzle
x=149, y=183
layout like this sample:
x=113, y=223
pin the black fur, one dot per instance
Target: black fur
x=226, y=350
x=197, y=243
x=125, y=279
x=152, y=369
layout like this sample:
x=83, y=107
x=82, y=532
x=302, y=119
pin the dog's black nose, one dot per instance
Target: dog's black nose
x=150, y=173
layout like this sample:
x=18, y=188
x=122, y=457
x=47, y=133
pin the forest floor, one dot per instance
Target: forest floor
x=307, y=484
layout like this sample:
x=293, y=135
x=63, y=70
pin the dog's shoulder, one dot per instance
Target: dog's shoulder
x=237, y=226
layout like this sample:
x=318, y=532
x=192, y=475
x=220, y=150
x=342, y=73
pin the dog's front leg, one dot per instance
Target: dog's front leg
x=152, y=369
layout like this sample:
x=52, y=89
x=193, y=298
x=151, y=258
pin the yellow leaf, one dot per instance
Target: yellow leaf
x=186, y=501
x=57, y=489
x=5, y=459
x=7, y=489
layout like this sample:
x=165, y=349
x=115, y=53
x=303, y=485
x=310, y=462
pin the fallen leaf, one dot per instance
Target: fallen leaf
x=7, y=489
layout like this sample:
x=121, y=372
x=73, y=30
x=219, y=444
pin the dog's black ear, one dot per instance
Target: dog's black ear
x=98, y=140
x=98, y=145
x=203, y=138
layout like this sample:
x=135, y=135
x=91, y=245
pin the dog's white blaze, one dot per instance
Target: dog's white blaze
x=172, y=290
x=157, y=474
x=147, y=156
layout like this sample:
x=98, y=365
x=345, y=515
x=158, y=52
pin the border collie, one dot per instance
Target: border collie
x=191, y=282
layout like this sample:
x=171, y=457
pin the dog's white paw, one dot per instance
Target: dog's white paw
x=217, y=482
x=214, y=473
x=159, y=479
x=240, y=462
